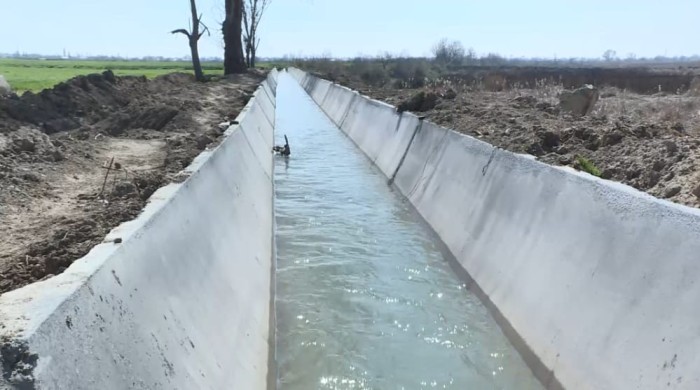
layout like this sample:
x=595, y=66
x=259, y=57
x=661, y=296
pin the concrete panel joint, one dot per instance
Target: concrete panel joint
x=403, y=156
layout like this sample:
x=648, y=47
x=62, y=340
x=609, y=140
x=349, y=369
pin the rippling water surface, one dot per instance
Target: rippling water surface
x=365, y=299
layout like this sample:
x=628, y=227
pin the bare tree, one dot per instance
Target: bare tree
x=232, y=29
x=385, y=58
x=610, y=55
x=253, y=11
x=447, y=52
x=470, y=57
x=193, y=37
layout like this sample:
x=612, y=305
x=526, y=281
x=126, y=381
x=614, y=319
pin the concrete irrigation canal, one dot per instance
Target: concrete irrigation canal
x=385, y=253
x=365, y=299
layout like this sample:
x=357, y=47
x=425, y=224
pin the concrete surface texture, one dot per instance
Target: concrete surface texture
x=4, y=86
x=598, y=280
x=183, y=301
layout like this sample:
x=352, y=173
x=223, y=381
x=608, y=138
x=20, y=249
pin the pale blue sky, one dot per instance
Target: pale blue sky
x=535, y=28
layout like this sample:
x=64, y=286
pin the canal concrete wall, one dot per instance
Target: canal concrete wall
x=180, y=301
x=596, y=282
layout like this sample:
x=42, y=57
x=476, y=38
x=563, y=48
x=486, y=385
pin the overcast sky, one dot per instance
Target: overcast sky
x=513, y=28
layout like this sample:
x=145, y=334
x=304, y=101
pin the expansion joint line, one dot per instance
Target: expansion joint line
x=347, y=112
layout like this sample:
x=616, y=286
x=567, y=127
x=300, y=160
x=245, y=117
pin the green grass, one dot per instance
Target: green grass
x=35, y=75
x=588, y=166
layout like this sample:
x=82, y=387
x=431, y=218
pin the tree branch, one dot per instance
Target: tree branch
x=181, y=31
x=206, y=29
x=246, y=27
x=253, y=11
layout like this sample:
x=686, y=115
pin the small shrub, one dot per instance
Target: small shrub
x=588, y=166
x=410, y=72
x=326, y=66
x=371, y=72
x=420, y=75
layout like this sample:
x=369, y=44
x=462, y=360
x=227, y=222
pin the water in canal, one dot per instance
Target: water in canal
x=364, y=298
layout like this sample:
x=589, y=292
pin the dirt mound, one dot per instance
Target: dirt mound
x=420, y=102
x=66, y=105
x=28, y=144
x=80, y=158
x=166, y=81
x=133, y=117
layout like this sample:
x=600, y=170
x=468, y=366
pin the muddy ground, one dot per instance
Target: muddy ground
x=648, y=141
x=55, y=147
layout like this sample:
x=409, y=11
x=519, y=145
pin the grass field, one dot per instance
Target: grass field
x=35, y=75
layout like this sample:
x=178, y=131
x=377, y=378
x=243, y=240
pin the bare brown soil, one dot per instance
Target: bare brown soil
x=650, y=142
x=55, y=147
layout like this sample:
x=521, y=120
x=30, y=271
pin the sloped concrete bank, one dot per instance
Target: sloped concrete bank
x=178, y=298
x=598, y=281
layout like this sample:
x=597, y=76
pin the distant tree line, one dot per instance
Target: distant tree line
x=448, y=55
x=451, y=57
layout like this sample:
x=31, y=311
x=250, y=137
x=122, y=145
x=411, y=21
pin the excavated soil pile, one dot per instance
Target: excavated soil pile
x=79, y=159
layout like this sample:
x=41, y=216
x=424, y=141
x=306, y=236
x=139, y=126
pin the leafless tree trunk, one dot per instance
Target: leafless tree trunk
x=233, y=34
x=253, y=13
x=193, y=38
